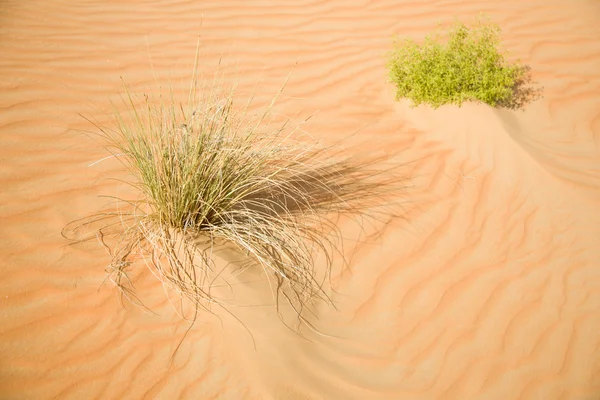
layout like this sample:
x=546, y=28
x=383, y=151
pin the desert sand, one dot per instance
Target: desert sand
x=489, y=290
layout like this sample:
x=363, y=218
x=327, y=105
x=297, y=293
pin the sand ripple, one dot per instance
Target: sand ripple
x=490, y=291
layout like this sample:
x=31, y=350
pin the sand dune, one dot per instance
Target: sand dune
x=489, y=290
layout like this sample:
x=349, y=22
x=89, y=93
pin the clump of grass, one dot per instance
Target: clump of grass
x=209, y=172
x=468, y=65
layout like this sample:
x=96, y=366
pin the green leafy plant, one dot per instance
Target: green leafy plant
x=466, y=66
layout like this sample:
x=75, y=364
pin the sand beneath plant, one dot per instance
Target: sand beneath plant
x=489, y=290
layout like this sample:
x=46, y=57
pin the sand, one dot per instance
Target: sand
x=489, y=290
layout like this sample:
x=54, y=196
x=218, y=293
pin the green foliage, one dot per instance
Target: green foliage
x=468, y=66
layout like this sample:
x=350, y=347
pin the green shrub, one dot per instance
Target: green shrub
x=468, y=66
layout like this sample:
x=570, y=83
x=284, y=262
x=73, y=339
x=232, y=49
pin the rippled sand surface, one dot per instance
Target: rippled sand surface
x=491, y=290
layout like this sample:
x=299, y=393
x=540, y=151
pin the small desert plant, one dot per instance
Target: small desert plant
x=468, y=66
x=210, y=173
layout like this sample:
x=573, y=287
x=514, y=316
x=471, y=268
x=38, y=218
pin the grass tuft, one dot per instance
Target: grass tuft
x=467, y=65
x=209, y=172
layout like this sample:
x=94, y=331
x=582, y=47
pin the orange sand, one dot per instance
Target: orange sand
x=492, y=291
